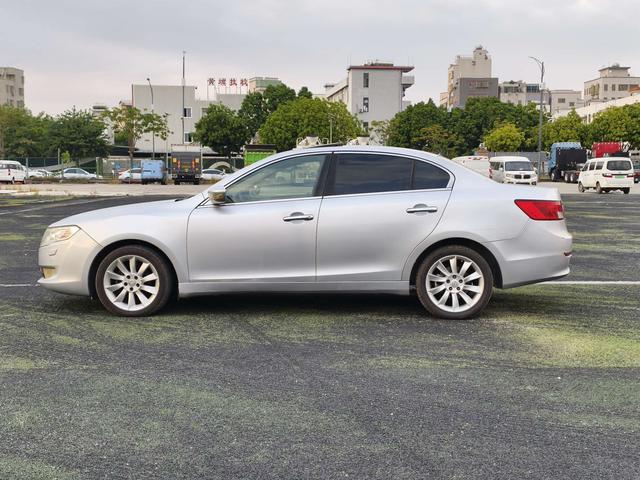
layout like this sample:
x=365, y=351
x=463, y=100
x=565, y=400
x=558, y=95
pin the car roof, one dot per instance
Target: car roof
x=511, y=158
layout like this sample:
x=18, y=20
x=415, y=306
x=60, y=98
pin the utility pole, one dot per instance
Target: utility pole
x=183, y=85
x=153, y=133
x=541, y=65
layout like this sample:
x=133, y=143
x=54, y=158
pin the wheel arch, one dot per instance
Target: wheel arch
x=122, y=243
x=478, y=247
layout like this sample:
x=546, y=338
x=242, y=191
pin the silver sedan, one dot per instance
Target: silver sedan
x=331, y=219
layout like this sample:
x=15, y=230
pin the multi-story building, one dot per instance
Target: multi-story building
x=614, y=82
x=469, y=77
x=260, y=84
x=372, y=92
x=522, y=93
x=588, y=112
x=168, y=99
x=11, y=87
x=565, y=100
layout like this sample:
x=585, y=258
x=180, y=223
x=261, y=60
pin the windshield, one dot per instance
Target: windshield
x=518, y=166
x=619, y=165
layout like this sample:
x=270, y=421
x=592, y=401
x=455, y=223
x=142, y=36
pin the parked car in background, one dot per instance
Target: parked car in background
x=636, y=168
x=476, y=163
x=133, y=175
x=329, y=219
x=12, y=171
x=212, y=174
x=516, y=170
x=607, y=174
x=34, y=173
x=78, y=174
x=152, y=171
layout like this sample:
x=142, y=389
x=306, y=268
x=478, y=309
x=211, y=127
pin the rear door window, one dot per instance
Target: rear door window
x=428, y=176
x=370, y=173
x=599, y=165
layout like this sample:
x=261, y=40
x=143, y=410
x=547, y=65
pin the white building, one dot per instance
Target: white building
x=373, y=91
x=467, y=77
x=167, y=99
x=11, y=87
x=614, y=82
x=588, y=112
x=565, y=100
x=522, y=93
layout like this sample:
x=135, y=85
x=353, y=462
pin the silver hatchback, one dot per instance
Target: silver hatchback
x=331, y=219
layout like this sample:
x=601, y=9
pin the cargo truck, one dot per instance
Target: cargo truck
x=566, y=159
x=186, y=164
x=152, y=171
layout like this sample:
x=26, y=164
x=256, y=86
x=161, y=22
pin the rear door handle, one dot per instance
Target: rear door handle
x=422, y=208
x=298, y=216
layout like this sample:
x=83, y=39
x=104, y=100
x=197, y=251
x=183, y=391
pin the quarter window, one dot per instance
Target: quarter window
x=599, y=165
x=295, y=177
x=427, y=176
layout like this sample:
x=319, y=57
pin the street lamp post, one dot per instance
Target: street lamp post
x=541, y=65
x=153, y=133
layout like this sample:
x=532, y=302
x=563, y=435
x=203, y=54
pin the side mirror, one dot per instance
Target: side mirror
x=218, y=196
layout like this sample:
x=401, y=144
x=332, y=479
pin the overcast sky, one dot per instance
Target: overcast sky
x=79, y=52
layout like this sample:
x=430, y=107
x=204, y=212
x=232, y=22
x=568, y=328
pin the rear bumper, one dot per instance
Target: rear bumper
x=616, y=183
x=541, y=252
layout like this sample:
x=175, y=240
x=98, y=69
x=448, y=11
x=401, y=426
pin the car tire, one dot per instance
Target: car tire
x=176, y=183
x=128, y=288
x=599, y=188
x=626, y=191
x=581, y=187
x=462, y=297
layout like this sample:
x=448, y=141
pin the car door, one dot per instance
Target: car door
x=589, y=175
x=266, y=230
x=377, y=208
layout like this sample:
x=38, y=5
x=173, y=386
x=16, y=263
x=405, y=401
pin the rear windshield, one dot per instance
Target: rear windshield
x=518, y=166
x=619, y=165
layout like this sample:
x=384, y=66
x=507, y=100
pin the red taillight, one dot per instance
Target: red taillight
x=631, y=175
x=607, y=175
x=542, y=209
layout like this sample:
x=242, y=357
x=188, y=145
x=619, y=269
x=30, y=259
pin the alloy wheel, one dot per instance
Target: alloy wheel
x=455, y=283
x=131, y=282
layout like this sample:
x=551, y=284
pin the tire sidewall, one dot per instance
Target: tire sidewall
x=164, y=273
x=439, y=253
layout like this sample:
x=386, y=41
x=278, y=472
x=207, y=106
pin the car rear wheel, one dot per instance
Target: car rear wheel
x=134, y=281
x=599, y=188
x=626, y=191
x=580, y=187
x=454, y=282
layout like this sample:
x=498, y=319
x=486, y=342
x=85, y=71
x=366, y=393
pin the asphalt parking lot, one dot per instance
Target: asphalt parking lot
x=544, y=385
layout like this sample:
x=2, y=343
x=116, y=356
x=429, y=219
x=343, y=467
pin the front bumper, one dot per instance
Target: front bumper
x=67, y=264
x=521, y=181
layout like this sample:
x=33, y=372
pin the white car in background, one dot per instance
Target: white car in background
x=477, y=163
x=515, y=170
x=12, y=171
x=212, y=174
x=607, y=174
x=133, y=175
x=38, y=173
x=79, y=174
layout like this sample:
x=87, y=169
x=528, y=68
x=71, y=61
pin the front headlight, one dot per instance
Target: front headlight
x=58, y=234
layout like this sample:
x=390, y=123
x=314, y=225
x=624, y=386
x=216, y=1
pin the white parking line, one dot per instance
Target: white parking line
x=593, y=282
x=12, y=285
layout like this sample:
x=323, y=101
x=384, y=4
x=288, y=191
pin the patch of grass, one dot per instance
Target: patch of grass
x=12, y=237
x=17, y=468
x=8, y=362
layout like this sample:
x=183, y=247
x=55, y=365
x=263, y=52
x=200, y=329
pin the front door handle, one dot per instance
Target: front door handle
x=422, y=208
x=298, y=216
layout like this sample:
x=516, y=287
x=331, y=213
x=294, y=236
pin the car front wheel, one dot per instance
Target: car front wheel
x=454, y=282
x=134, y=281
x=580, y=187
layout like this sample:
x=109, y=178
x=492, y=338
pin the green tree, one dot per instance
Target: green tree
x=304, y=92
x=616, y=124
x=439, y=140
x=22, y=134
x=253, y=111
x=79, y=133
x=131, y=123
x=276, y=95
x=405, y=129
x=380, y=131
x=222, y=130
x=565, y=129
x=504, y=138
x=309, y=116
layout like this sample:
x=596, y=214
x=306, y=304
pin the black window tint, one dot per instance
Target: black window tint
x=428, y=176
x=367, y=173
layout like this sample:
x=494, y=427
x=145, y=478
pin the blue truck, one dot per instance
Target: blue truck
x=565, y=161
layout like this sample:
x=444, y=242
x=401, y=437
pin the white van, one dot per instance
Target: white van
x=606, y=174
x=478, y=164
x=12, y=172
x=517, y=170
